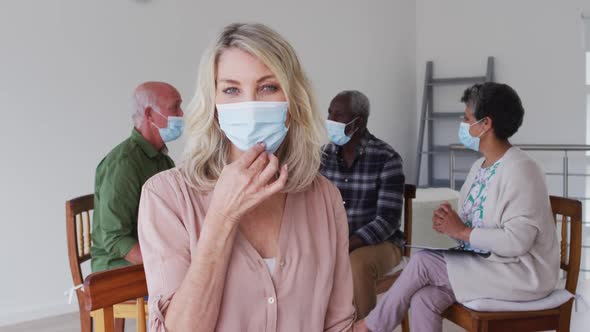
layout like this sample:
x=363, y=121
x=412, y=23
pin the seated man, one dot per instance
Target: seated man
x=369, y=174
x=121, y=174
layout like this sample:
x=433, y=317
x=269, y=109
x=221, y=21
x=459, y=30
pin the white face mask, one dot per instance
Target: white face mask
x=337, y=131
x=174, y=128
x=465, y=137
x=251, y=122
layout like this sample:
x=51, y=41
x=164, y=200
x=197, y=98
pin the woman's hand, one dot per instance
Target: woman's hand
x=246, y=182
x=445, y=220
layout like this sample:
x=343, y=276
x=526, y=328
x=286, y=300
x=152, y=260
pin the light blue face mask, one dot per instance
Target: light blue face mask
x=465, y=137
x=173, y=130
x=251, y=122
x=337, y=133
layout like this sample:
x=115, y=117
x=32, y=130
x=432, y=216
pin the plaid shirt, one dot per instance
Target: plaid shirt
x=372, y=188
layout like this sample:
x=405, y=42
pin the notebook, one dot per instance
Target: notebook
x=459, y=248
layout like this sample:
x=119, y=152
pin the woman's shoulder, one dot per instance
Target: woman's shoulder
x=172, y=189
x=521, y=177
x=519, y=163
x=323, y=199
x=321, y=191
x=171, y=179
x=321, y=185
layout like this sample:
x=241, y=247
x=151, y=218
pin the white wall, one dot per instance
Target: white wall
x=538, y=47
x=67, y=69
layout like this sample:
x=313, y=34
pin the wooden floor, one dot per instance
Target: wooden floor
x=70, y=323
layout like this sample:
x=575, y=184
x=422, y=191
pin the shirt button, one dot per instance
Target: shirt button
x=282, y=263
x=271, y=300
x=343, y=202
x=345, y=180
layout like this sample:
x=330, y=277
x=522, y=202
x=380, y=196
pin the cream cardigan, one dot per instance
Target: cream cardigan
x=518, y=229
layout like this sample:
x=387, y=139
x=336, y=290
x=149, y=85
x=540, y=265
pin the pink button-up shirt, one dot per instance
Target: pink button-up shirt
x=310, y=288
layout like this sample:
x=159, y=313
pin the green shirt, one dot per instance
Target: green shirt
x=117, y=189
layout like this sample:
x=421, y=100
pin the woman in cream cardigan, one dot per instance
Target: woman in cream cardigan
x=504, y=209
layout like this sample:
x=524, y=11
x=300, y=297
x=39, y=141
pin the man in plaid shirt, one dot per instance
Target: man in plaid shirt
x=369, y=174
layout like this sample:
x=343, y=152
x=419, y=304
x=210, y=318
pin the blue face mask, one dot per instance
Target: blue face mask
x=336, y=131
x=251, y=122
x=173, y=130
x=465, y=137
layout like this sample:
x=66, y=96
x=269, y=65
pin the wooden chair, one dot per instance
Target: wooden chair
x=385, y=283
x=552, y=319
x=103, y=291
x=78, y=230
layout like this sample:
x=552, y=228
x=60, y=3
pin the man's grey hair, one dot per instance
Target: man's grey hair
x=359, y=103
x=141, y=99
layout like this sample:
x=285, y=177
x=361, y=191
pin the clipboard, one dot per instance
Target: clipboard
x=459, y=249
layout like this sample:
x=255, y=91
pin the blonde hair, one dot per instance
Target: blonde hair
x=207, y=149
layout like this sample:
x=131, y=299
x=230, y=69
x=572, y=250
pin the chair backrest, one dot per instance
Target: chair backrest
x=103, y=290
x=409, y=195
x=78, y=229
x=569, y=209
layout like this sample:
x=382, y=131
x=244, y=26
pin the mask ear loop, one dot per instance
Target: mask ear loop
x=162, y=115
x=353, y=132
x=154, y=125
x=353, y=120
x=485, y=131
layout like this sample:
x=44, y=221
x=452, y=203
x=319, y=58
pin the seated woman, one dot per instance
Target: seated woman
x=505, y=210
x=233, y=240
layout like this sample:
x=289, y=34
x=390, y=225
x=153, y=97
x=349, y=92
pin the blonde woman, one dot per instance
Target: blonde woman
x=246, y=235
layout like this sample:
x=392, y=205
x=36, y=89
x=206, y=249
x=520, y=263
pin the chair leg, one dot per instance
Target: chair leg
x=119, y=324
x=104, y=320
x=565, y=318
x=479, y=325
x=141, y=325
x=406, y=324
x=85, y=321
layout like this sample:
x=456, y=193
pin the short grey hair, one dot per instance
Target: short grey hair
x=359, y=103
x=141, y=99
x=472, y=98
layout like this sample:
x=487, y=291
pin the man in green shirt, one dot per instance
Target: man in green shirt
x=121, y=174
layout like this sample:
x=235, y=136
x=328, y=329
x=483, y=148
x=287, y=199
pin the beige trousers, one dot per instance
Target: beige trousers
x=369, y=264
